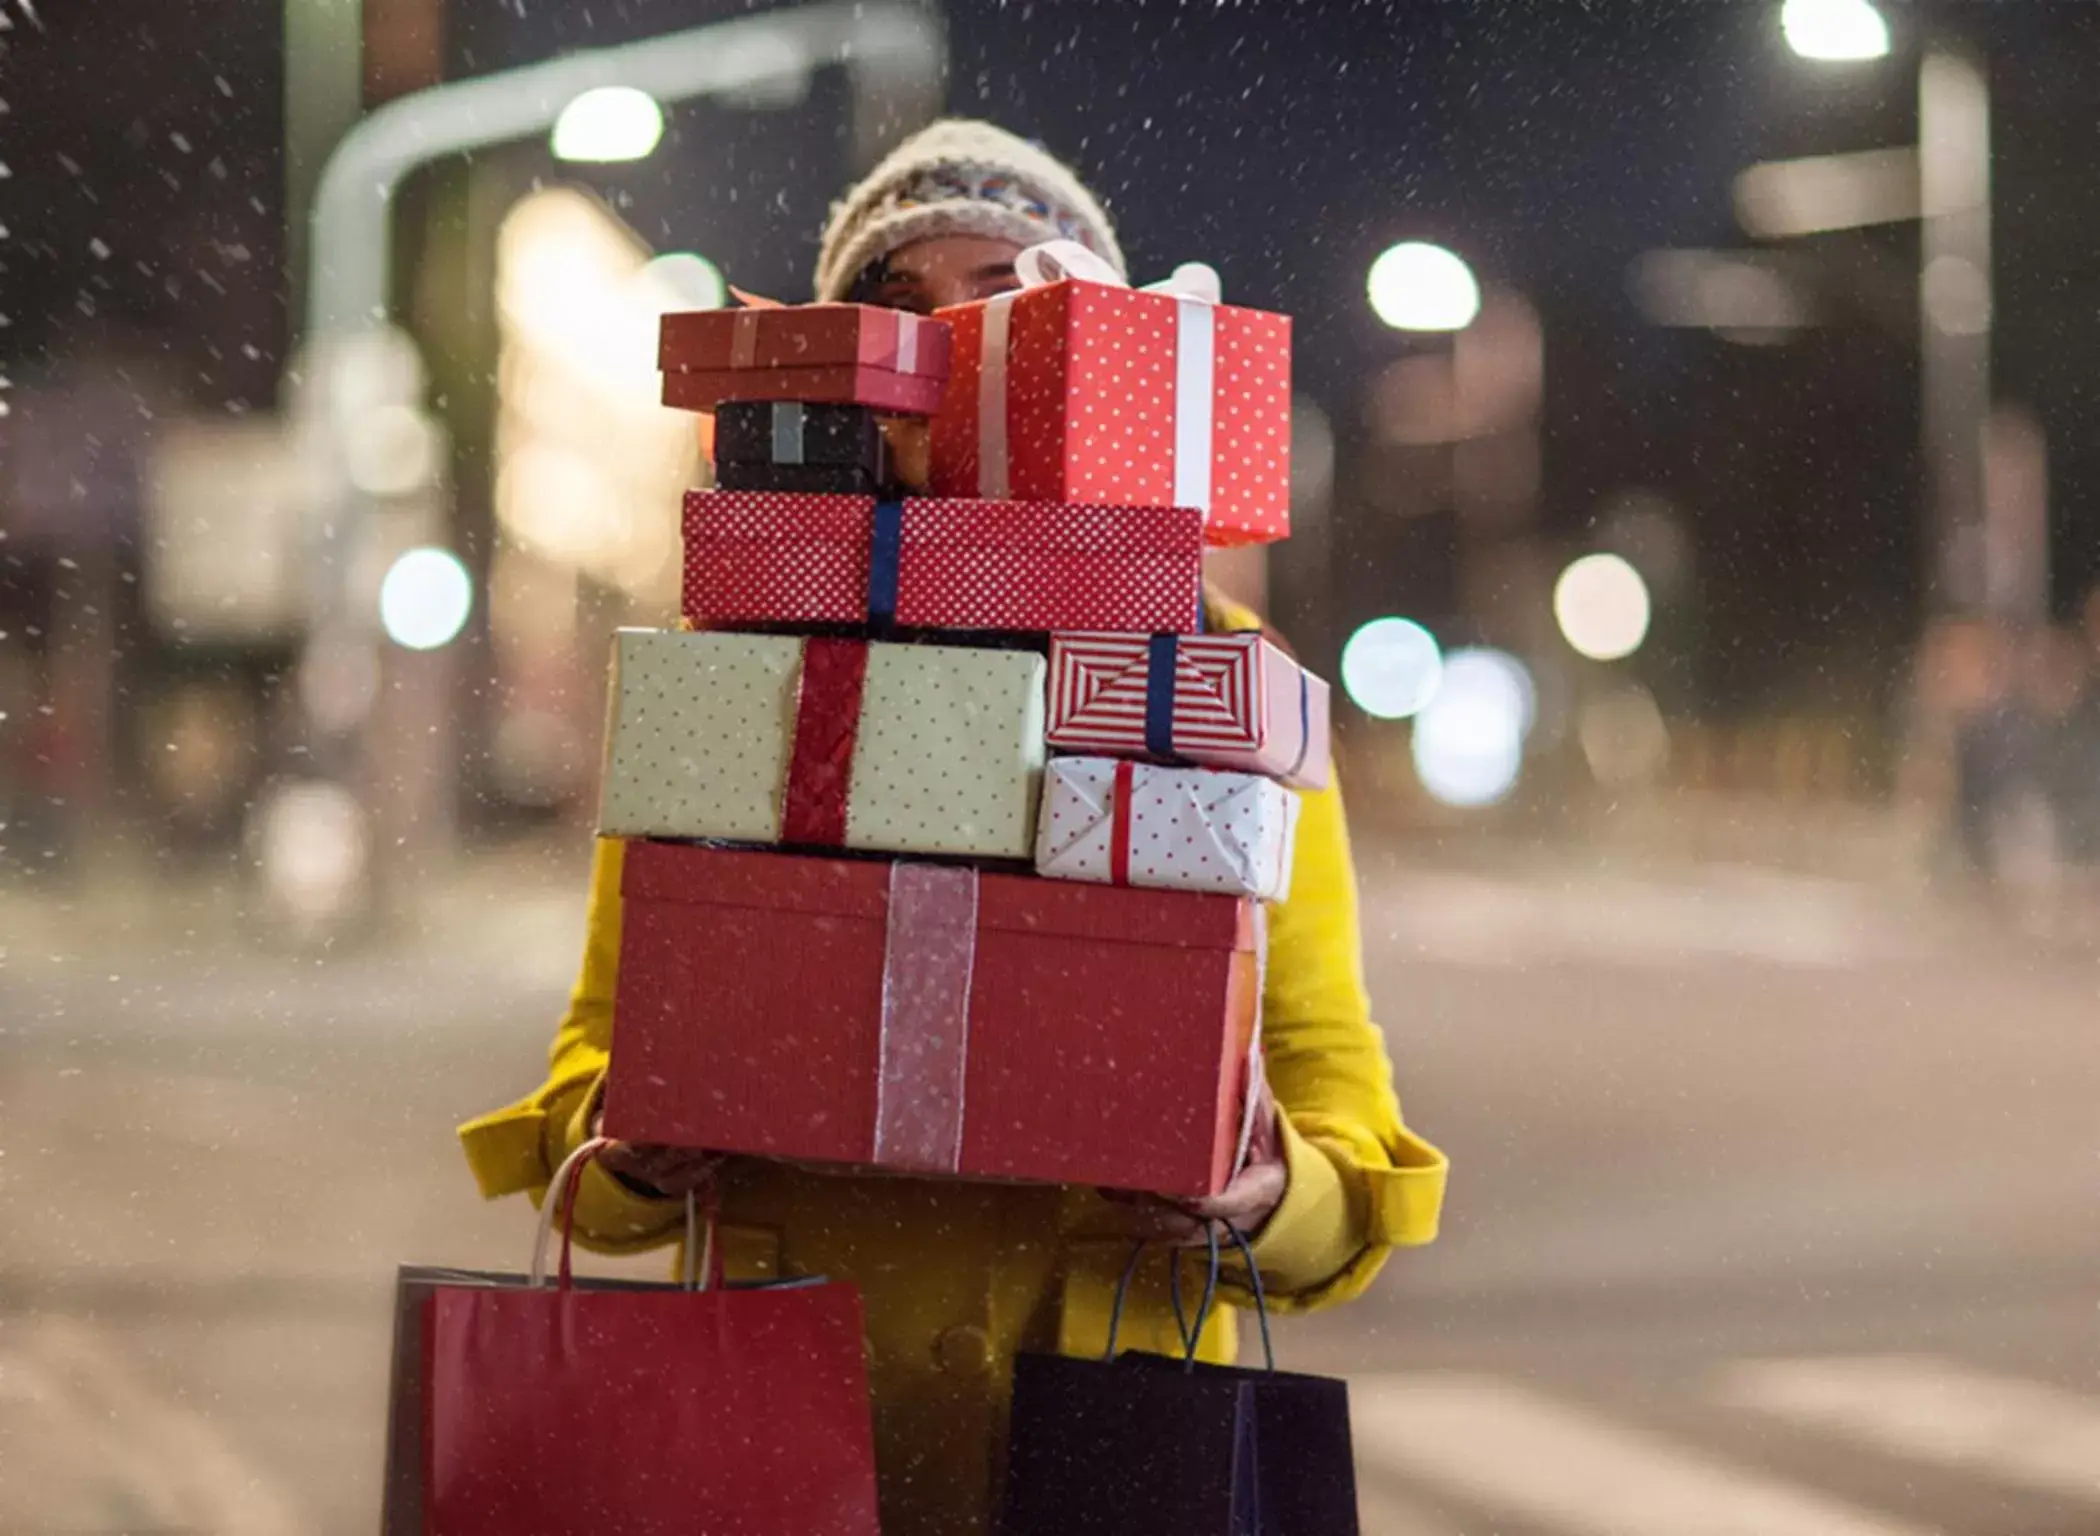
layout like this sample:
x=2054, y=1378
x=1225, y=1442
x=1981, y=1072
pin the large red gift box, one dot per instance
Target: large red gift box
x=1225, y=701
x=778, y=557
x=1083, y=391
x=849, y=353
x=931, y=1019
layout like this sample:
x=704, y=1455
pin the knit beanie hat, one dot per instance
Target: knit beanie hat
x=958, y=177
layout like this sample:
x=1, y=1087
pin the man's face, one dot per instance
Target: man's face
x=948, y=269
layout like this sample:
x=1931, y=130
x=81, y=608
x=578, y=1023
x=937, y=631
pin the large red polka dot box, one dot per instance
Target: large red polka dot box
x=1077, y=388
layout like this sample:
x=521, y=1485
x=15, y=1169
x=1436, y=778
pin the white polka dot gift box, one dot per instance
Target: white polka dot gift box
x=1075, y=388
x=823, y=743
x=1116, y=822
x=760, y=557
x=1225, y=701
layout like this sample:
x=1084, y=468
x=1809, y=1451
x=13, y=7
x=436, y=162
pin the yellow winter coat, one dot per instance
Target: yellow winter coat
x=958, y=1276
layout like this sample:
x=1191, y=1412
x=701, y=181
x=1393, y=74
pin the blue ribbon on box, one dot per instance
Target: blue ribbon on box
x=1161, y=653
x=885, y=556
x=1160, y=657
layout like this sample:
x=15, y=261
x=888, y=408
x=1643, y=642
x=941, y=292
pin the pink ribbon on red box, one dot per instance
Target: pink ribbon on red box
x=929, y=954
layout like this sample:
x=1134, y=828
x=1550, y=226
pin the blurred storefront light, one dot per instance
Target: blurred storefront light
x=1469, y=741
x=425, y=599
x=1624, y=738
x=1835, y=31
x=1391, y=668
x=583, y=444
x=391, y=450
x=1415, y=286
x=611, y=123
x=312, y=846
x=1602, y=606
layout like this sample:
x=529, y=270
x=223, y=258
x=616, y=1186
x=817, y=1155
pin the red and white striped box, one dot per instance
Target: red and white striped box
x=1226, y=701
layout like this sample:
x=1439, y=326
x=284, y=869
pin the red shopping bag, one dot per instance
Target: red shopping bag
x=563, y=1411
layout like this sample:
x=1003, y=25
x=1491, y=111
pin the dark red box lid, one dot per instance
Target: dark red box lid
x=826, y=887
x=804, y=336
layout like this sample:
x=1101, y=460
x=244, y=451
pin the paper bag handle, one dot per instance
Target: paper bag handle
x=699, y=1267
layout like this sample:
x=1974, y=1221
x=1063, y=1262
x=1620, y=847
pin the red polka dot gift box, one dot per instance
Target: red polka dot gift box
x=1225, y=701
x=1116, y=822
x=1081, y=389
x=755, y=557
x=932, y=1019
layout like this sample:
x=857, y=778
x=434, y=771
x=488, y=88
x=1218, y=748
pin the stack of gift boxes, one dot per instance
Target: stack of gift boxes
x=948, y=827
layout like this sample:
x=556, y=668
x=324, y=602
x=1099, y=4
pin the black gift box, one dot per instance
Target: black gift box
x=787, y=432
x=830, y=479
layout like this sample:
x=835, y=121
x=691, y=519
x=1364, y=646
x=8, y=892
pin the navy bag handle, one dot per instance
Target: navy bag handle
x=1191, y=1334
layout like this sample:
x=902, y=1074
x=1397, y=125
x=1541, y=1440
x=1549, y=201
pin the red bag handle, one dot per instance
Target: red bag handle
x=700, y=1241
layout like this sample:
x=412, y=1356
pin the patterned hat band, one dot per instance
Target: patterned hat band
x=953, y=184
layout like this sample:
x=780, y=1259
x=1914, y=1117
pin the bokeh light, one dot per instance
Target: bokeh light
x=425, y=599
x=691, y=280
x=1602, y=606
x=613, y=122
x=1835, y=31
x=1415, y=286
x=1469, y=741
x=1391, y=668
x=1624, y=738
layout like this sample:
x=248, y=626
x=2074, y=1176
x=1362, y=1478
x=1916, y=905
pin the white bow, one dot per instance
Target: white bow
x=1194, y=287
x=1055, y=260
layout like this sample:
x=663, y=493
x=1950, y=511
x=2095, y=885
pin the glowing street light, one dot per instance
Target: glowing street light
x=1602, y=606
x=690, y=281
x=1419, y=287
x=613, y=122
x=1391, y=668
x=425, y=599
x=1835, y=31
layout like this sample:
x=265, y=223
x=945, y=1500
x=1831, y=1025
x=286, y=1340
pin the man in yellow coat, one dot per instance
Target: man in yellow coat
x=956, y=1276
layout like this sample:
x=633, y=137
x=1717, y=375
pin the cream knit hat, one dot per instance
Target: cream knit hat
x=958, y=177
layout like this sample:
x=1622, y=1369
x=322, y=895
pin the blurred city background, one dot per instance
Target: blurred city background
x=1694, y=497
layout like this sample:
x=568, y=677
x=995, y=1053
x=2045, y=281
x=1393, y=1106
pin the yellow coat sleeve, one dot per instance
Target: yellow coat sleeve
x=1361, y=1183
x=520, y=1146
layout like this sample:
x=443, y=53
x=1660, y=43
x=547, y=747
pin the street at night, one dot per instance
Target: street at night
x=1763, y=1219
x=744, y=621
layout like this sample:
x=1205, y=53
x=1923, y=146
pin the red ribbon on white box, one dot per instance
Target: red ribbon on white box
x=929, y=954
x=1195, y=290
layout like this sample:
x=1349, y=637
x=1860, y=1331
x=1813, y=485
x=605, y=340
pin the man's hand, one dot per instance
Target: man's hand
x=1247, y=1202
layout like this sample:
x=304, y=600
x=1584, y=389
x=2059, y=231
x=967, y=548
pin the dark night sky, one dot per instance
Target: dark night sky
x=1550, y=143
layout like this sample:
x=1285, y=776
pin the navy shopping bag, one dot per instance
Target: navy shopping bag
x=1174, y=1447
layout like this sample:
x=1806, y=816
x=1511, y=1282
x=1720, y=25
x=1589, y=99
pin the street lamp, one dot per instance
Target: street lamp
x=608, y=124
x=1415, y=286
x=1835, y=31
x=1602, y=606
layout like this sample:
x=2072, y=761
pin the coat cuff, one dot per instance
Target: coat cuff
x=1317, y=1229
x=1339, y=1220
x=611, y=1217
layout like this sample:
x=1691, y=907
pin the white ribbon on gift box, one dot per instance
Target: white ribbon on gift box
x=1195, y=290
